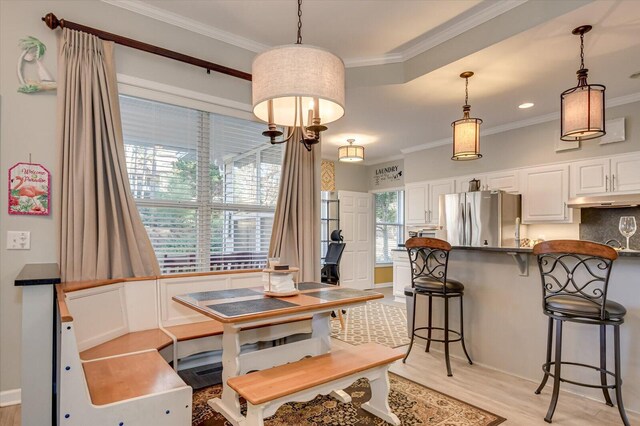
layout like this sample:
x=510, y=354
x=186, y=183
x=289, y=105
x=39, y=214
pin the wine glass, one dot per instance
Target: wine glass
x=627, y=227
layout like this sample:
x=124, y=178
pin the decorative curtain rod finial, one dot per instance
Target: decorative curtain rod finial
x=52, y=21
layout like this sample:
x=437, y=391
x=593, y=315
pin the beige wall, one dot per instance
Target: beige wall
x=371, y=175
x=519, y=148
x=27, y=122
x=351, y=177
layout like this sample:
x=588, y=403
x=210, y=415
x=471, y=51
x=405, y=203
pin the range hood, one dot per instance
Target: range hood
x=605, y=201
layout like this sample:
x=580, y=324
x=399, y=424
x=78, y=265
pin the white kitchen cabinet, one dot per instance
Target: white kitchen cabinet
x=462, y=183
x=436, y=189
x=416, y=200
x=504, y=181
x=401, y=273
x=545, y=192
x=590, y=177
x=625, y=173
x=617, y=175
x=422, y=201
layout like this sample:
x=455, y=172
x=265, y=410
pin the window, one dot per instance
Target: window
x=389, y=223
x=206, y=185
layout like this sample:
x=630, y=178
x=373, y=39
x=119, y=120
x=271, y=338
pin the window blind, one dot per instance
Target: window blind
x=389, y=223
x=206, y=185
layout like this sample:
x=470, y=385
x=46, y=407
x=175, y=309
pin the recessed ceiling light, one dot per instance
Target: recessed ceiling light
x=635, y=75
x=525, y=105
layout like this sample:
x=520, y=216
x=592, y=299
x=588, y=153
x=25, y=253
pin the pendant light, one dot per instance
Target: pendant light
x=298, y=85
x=351, y=153
x=582, y=107
x=466, y=131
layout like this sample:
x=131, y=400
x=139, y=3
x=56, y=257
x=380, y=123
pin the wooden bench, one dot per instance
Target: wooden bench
x=266, y=390
x=134, y=389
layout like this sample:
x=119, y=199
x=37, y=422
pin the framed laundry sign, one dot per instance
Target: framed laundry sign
x=29, y=189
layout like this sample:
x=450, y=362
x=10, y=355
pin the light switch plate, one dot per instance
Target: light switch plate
x=18, y=240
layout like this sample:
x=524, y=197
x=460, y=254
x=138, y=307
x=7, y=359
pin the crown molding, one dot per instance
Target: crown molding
x=389, y=58
x=481, y=16
x=621, y=100
x=492, y=10
x=192, y=25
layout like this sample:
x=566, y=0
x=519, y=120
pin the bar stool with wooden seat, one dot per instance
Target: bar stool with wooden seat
x=429, y=259
x=575, y=280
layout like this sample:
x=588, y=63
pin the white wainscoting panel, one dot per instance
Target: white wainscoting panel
x=99, y=314
x=142, y=309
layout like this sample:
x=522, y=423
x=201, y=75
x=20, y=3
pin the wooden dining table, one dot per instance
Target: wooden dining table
x=248, y=308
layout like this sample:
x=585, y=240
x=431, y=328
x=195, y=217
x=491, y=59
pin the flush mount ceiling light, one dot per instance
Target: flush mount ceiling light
x=526, y=105
x=466, y=131
x=351, y=153
x=298, y=85
x=582, y=107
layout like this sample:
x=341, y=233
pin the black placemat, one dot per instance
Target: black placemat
x=313, y=286
x=337, y=294
x=223, y=294
x=234, y=309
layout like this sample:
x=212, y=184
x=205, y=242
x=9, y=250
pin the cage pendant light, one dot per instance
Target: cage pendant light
x=351, y=153
x=298, y=85
x=466, y=131
x=582, y=107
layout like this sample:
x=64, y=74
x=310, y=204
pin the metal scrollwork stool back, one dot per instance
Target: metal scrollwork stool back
x=575, y=281
x=429, y=259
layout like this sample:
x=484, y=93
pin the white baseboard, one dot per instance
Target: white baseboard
x=10, y=397
x=383, y=285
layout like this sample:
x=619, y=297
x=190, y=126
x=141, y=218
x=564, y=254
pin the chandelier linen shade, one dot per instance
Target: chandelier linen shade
x=287, y=73
x=466, y=138
x=583, y=113
x=351, y=153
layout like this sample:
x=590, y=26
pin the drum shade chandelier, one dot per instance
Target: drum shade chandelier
x=351, y=153
x=466, y=131
x=298, y=85
x=582, y=107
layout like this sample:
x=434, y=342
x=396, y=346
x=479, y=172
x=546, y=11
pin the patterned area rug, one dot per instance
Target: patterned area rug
x=413, y=403
x=373, y=322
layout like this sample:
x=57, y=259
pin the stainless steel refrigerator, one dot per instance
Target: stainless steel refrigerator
x=481, y=218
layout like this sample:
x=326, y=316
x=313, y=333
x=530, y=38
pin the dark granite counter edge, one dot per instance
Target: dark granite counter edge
x=38, y=274
x=521, y=250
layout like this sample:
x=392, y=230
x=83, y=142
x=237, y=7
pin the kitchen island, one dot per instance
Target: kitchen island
x=505, y=328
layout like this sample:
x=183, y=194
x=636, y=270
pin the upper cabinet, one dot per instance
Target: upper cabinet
x=422, y=201
x=505, y=181
x=604, y=175
x=625, y=173
x=416, y=200
x=545, y=192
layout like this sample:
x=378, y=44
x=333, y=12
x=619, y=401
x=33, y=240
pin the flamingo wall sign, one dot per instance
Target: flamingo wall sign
x=29, y=189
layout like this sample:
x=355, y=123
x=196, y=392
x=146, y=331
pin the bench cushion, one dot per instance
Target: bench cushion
x=129, y=376
x=136, y=341
x=263, y=386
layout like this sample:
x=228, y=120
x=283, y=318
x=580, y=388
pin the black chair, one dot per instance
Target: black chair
x=429, y=259
x=575, y=280
x=330, y=273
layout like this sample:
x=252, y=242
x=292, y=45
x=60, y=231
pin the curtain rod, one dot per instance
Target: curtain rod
x=53, y=22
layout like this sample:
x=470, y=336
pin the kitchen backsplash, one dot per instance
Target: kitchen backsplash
x=600, y=225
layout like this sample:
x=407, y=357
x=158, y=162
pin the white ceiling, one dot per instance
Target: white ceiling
x=533, y=64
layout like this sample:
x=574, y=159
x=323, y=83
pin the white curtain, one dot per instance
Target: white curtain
x=101, y=234
x=296, y=227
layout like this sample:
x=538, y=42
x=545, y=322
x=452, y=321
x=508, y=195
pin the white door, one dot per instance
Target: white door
x=356, y=221
x=416, y=199
x=436, y=189
x=545, y=193
x=590, y=177
x=625, y=173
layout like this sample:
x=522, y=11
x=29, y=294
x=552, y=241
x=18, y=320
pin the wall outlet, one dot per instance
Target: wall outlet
x=18, y=240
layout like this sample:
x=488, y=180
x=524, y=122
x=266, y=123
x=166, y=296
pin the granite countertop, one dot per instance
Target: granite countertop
x=520, y=250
